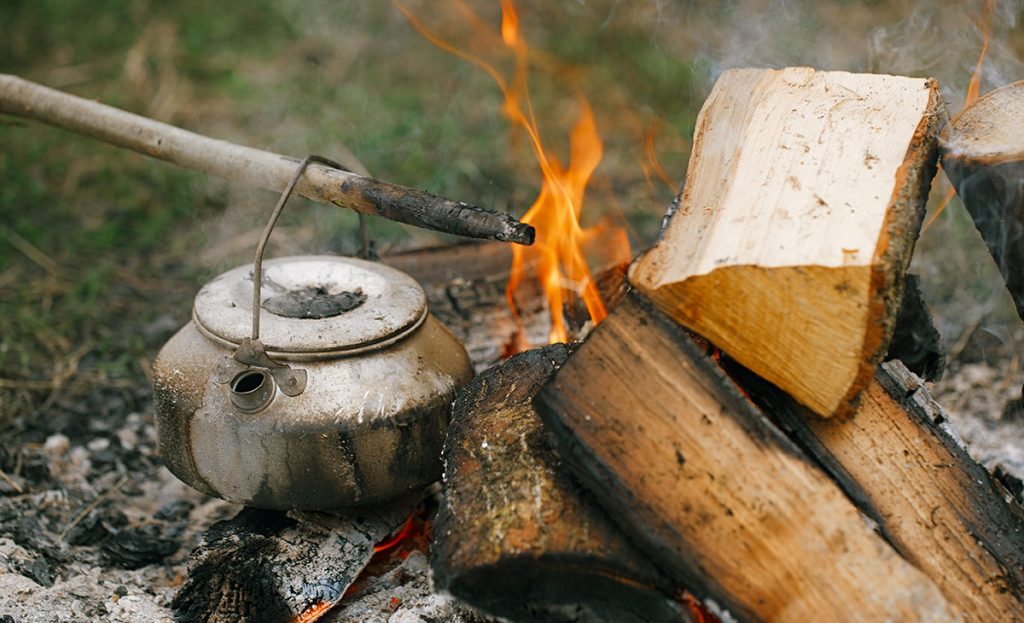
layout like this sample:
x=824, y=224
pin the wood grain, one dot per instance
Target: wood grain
x=713, y=491
x=516, y=536
x=804, y=195
x=907, y=470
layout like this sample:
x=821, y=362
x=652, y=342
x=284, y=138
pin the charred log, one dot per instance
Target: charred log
x=983, y=155
x=916, y=342
x=516, y=536
x=274, y=567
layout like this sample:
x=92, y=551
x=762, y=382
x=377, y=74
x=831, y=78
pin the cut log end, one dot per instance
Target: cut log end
x=803, y=200
x=516, y=536
x=983, y=155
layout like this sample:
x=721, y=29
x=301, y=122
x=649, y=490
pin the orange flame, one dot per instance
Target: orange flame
x=652, y=159
x=973, y=92
x=560, y=263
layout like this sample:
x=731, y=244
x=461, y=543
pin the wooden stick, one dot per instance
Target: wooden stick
x=254, y=167
x=715, y=493
x=516, y=536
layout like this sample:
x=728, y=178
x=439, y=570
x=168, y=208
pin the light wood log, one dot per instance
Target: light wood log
x=714, y=492
x=516, y=536
x=253, y=167
x=803, y=199
x=897, y=458
x=983, y=155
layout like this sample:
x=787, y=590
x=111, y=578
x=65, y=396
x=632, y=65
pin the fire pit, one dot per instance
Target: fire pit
x=735, y=425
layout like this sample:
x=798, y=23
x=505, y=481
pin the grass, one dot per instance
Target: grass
x=101, y=251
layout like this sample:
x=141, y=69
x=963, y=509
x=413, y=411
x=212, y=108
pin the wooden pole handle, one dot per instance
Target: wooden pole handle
x=255, y=167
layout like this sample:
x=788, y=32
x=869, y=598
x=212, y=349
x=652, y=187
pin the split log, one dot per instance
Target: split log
x=273, y=567
x=713, y=491
x=983, y=154
x=916, y=342
x=254, y=167
x=902, y=465
x=516, y=537
x=804, y=196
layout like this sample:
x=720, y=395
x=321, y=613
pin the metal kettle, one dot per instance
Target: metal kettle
x=338, y=393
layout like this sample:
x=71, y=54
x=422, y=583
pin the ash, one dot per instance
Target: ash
x=984, y=404
x=93, y=527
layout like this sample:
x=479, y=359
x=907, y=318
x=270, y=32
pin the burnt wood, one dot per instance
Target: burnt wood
x=711, y=489
x=274, y=567
x=916, y=342
x=982, y=152
x=516, y=536
x=897, y=458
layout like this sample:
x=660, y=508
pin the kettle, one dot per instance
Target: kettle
x=311, y=382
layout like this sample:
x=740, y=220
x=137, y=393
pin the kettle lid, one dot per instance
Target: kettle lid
x=313, y=306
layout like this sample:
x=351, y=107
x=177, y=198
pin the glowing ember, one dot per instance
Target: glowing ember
x=973, y=92
x=557, y=254
x=314, y=612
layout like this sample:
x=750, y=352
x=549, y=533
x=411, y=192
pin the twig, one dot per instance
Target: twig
x=17, y=488
x=30, y=251
x=254, y=167
x=103, y=497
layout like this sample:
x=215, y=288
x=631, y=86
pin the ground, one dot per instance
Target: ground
x=101, y=251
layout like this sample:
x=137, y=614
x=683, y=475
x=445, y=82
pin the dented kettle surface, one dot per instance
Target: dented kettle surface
x=367, y=425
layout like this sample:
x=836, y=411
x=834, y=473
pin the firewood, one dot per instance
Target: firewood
x=983, y=154
x=803, y=199
x=516, y=536
x=254, y=167
x=714, y=492
x=274, y=567
x=897, y=458
x=916, y=342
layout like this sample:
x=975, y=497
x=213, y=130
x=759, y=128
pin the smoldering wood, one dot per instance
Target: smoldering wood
x=711, y=489
x=465, y=287
x=254, y=167
x=274, y=567
x=915, y=341
x=982, y=152
x=516, y=536
x=897, y=458
x=803, y=199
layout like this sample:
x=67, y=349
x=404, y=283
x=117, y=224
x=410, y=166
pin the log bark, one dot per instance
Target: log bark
x=714, y=492
x=897, y=458
x=516, y=536
x=983, y=154
x=254, y=167
x=274, y=567
x=804, y=196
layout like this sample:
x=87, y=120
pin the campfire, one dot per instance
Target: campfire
x=734, y=424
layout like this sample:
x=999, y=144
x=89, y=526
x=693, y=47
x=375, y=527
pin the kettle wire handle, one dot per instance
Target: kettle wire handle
x=257, y=265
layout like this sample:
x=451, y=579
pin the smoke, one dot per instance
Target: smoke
x=917, y=38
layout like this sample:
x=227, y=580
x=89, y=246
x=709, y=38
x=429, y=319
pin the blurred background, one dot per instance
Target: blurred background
x=102, y=250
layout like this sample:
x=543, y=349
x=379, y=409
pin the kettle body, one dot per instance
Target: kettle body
x=368, y=425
